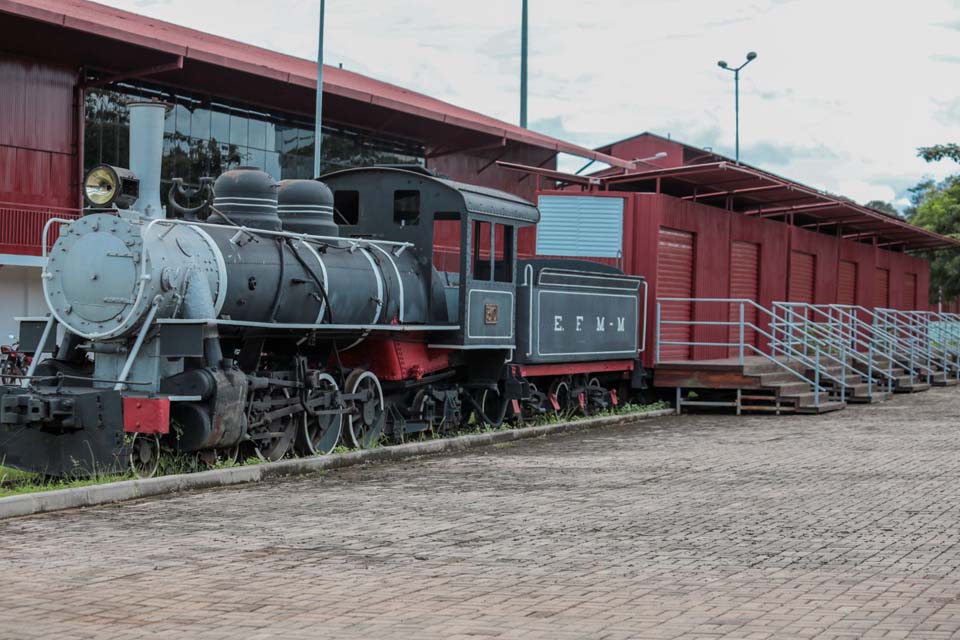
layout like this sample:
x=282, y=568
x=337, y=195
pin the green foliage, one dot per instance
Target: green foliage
x=938, y=209
x=938, y=152
x=885, y=207
x=14, y=482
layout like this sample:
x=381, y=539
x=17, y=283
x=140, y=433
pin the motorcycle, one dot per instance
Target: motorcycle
x=13, y=362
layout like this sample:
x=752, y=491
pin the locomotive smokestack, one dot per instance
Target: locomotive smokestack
x=146, y=153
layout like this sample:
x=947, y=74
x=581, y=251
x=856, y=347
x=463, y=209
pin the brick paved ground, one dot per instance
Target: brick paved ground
x=839, y=526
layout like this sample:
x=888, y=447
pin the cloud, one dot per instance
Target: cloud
x=939, y=57
x=846, y=113
x=765, y=154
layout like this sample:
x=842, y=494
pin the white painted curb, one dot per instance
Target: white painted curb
x=45, y=501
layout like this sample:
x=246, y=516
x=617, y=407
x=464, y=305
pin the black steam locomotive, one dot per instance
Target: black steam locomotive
x=377, y=303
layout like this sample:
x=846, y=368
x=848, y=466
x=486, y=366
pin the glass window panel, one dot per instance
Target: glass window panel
x=257, y=134
x=238, y=130
x=305, y=167
x=170, y=120
x=287, y=139
x=270, y=143
x=272, y=165
x=220, y=126
x=183, y=120
x=306, y=142
x=200, y=124
x=229, y=157
x=255, y=158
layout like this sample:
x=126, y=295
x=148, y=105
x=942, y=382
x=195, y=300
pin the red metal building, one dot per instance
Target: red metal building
x=698, y=225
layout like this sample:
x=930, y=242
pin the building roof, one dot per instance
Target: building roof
x=753, y=192
x=78, y=32
x=722, y=181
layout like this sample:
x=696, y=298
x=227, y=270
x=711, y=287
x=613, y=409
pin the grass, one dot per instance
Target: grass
x=14, y=482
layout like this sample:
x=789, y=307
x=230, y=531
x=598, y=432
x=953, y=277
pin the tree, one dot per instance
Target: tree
x=885, y=207
x=936, y=206
x=938, y=152
x=938, y=209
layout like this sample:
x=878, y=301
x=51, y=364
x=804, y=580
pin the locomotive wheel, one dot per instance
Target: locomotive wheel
x=421, y=405
x=272, y=441
x=492, y=404
x=560, y=389
x=320, y=434
x=593, y=388
x=144, y=454
x=365, y=420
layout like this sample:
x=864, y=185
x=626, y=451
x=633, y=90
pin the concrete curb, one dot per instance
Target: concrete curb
x=46, y=501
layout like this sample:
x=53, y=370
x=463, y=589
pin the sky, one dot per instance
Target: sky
x=839, y=98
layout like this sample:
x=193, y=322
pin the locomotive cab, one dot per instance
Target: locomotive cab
x=465, y=237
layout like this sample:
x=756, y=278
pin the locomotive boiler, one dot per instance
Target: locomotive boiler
x=292, y=316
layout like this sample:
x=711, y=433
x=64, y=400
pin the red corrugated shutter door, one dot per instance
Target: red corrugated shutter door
x=881, y=294
x=744, y=284
x=910, y=291
x=675, y=280
x=847, y=283
x=803, y=276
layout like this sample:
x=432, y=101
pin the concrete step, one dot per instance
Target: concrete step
x=949, y=382
x=908, y=386
x=769, y=379
x=788, y=389
x=807, y=399
x=825, y=407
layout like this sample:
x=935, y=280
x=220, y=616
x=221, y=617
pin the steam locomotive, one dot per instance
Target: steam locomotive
x=382, y=302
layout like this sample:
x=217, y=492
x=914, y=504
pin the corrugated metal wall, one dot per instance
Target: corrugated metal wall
x=881, y=289
x=675, y=261
x=38, y=162
x=910, y=291
x=803, y=277
x=745, y=284
x=847, y=283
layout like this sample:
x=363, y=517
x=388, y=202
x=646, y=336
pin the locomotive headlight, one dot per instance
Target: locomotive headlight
x=105, y=186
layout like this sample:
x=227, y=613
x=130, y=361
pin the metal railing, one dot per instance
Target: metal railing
x=837, y=333
x=779, y=352
x=933, y=338
x=21, y=226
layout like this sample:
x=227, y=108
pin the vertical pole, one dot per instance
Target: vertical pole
x=816, y=384
x=741, y=336
x=736, y=108
x=657, y=328
x=318, y=115
x=523, y=65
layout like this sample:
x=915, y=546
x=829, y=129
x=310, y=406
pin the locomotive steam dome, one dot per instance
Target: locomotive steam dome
x=306, y=206
x=248, y=196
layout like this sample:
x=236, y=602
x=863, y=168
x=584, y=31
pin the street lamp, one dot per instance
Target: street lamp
x=751, y=56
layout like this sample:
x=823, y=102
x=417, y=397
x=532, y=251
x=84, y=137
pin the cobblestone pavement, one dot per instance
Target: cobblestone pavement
x=839, y=526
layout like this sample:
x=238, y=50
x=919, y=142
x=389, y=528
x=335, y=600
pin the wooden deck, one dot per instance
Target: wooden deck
x=757, y=385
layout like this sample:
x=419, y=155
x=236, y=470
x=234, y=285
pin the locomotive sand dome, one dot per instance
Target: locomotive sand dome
x=306, y=206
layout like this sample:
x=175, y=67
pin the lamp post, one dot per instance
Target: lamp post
x=751, y=56
x=318, y=114
x=523, y=64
